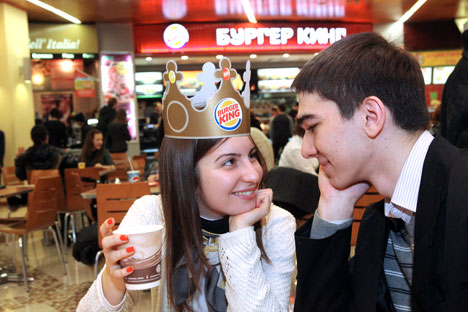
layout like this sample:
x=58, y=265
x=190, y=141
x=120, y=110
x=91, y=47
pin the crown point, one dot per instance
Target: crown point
x=172, y=76
x=226, y=74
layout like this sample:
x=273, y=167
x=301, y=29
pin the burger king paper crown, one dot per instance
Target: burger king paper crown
x=212, y=112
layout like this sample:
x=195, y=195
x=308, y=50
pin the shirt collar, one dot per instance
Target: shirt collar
x=405, y=196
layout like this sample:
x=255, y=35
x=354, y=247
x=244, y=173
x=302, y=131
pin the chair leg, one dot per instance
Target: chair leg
x=13, y=250
x=73, y=224
x=60, y=252
x=65, y=229
x=96, y=262
x=25, y=275
x=64, y=253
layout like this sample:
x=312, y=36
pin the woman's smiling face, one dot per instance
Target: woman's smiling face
x=230, y=175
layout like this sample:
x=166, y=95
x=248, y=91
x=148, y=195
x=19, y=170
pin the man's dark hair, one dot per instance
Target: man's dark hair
x=112, y=102
x=39, y=134
x=54, y=112
x=364, y=65
x=282, y=107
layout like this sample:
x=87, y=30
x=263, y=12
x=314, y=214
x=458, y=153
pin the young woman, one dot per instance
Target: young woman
x=226, y=247
x=93, y=153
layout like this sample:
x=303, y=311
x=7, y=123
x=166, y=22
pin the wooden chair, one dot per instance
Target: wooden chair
x=122, y=165
x=139, y=163
x=9, y=176
x=75, y=203
x=113, y=201
x=41, y=215
x=89, y=176
x=371, y=196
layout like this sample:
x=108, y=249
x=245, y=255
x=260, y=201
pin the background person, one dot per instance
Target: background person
x=280, y=130
x=106, y=115
x=117, y=133
x=57, y=129
x=39, y=156
x=362, y=105
x=94, y=154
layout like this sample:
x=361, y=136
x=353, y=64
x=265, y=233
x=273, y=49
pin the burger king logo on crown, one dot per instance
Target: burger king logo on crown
x=214, y=112
x=228, y=114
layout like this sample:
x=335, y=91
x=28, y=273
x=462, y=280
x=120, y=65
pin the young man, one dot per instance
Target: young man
x=361, y=102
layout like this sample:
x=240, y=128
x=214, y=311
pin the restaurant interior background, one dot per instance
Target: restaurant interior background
x=111, y=48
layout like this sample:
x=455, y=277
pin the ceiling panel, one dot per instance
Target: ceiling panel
x=163, y=11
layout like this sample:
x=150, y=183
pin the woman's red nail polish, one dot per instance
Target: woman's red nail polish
x=109, y=221
x=130, y=249
x=129, y=269
x=124, y=237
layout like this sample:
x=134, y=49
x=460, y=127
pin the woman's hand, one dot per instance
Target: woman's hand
x=113, y=276
x=249, y=218
x=99, y=165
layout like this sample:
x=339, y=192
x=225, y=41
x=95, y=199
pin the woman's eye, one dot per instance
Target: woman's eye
x=228, y=162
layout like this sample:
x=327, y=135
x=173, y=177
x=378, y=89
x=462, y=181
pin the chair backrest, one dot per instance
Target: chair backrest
x=34, y=175
x=74, y=187
x=42, y=203
x=139, y=163
x=371, y=196
x=114, y=200
x=121, y=167
x=294, y=190
x=88, y=176
x=9, y=176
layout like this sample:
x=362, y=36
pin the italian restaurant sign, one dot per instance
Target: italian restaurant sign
x=241, y=37
x=62, y=38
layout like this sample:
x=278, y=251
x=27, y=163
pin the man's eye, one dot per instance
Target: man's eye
x=311, y=128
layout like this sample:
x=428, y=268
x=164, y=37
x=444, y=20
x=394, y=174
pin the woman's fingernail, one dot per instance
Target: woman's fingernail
x=129, y=269
x=109, y=221
x=124, y=237
x=130, y=249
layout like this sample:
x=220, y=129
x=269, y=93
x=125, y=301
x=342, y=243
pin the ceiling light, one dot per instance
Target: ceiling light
x=184, y=57
x=286, y=55
x=248, y=11
x=219, y=56
x=411, y=11
x=148, y=58
x=253, y=56
x=56, y=11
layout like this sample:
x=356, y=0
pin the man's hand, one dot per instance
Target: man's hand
x=337, y=204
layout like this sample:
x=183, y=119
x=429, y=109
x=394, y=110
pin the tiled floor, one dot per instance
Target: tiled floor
x=51, y=290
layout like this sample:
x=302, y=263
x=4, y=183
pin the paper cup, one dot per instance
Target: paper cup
x=133, y=176
x=146, y=262
x=81, y=165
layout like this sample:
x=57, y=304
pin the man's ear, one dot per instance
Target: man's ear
x=374, y=112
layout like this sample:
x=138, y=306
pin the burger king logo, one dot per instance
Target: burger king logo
x=228, y=114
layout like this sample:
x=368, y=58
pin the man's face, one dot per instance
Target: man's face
x=336, y=142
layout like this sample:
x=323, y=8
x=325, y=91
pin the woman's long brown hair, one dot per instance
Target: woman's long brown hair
x=88, y=146
x=179, y=181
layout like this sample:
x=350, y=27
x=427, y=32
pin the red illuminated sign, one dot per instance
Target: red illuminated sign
x=218, y=38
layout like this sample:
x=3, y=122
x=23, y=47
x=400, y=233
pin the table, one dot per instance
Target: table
x=91, y=194
x=13, y=190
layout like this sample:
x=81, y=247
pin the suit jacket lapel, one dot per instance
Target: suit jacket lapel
x=431, y=194
x=368, y=262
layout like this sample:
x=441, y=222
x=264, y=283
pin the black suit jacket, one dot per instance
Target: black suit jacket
x=328, y=282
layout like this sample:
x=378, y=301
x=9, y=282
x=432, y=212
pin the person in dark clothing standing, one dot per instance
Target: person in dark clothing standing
x=84, y=127
x=454, y=110
x=280, y=130
x=117, y=133
x=57, y=129
x=106, y=115
x=39, y=156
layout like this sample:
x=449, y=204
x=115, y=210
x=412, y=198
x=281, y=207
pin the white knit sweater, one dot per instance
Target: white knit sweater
x=251, y=283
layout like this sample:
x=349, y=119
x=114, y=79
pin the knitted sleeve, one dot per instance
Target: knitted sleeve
x=252, y=284
x=145, y=210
